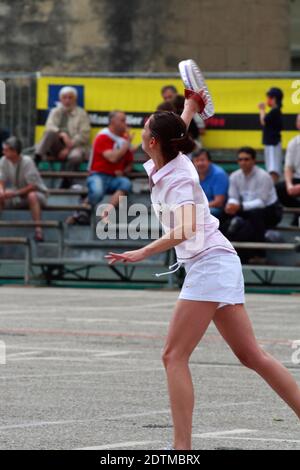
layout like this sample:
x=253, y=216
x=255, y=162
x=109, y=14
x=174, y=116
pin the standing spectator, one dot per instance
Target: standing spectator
x=214, y=181
x=21, y=185
x=272, y=127
x=289, y=190
x=67, y=134
x=252, y=204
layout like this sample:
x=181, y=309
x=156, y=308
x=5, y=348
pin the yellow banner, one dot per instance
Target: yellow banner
x=235, y=123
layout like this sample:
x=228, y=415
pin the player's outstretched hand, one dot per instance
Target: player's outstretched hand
x=126, y=257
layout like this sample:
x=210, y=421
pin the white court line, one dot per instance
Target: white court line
x=204, y=365
x=118, y=418
x=116, y=445
x=78, y=374
x=74, y=374
x=145, y=322
x=53, y=359
x=112, y=356
x=83, y=308
x=40, y=423
x=50, y=348
x=64, y=319
x=262, y=439
x=222, y=433
x=71, y=421
x=121, y=445
x=124, y=416
x=58, y=358
x=16, y=355
x=94, y=320
x=113, y=353
x=111, y=320
x=226, y=435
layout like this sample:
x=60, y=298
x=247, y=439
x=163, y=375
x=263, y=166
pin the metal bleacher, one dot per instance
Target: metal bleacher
x=71, y=253
x=74, y=253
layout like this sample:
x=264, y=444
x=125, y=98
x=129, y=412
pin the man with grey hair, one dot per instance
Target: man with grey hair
x=67, y=134
x=21, y=185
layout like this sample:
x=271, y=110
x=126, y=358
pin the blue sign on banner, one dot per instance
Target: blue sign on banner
x=53, y=93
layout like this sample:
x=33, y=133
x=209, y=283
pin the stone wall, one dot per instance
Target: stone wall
x=143, y=35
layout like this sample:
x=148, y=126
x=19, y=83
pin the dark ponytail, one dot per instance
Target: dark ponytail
x=170, y=130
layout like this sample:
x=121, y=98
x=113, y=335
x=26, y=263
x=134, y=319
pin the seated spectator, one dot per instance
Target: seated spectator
x=289, y=190
x=111, y=160
x=252, y=205
x=213, y=179
x=67, y=134
x=21, y=185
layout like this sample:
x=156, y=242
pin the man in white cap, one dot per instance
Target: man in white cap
x=67, y=134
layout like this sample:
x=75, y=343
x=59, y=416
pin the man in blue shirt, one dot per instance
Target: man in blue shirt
x=213, y=179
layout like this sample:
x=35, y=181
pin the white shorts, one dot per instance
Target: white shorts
x=215, y=278
x=273, y=158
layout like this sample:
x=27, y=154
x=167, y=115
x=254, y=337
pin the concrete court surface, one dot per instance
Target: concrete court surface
x=83, y=370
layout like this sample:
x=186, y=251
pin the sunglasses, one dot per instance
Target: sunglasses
x=241, y=159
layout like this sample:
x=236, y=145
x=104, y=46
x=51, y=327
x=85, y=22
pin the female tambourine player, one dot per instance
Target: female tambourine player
x=213, y=288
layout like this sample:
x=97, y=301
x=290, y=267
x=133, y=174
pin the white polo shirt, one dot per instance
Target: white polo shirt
x=175, y=184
